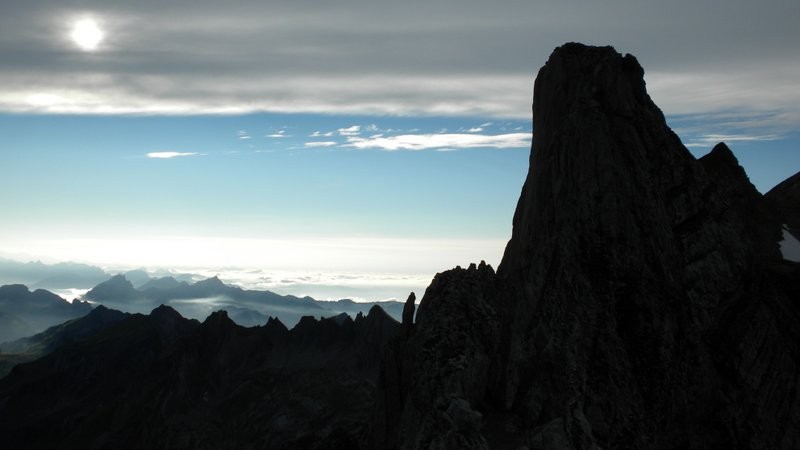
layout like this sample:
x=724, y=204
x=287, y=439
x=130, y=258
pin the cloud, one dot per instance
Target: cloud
x=168, y=155
x=243, y=134
x=417, y=142
x=475, y=130
x=707, y=140
x=321, y=134
x=320, y=144
x=279, y=134
x=354, y=130
x=187, y=57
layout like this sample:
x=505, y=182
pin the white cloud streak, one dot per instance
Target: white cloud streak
x=416, y=142
x=354, y=130
x=707, y=140
x=169, y=155
x=320, y=144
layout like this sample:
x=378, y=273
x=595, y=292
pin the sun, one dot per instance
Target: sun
x=86, y=34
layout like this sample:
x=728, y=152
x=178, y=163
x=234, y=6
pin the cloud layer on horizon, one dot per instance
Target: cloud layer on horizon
x=448, y=58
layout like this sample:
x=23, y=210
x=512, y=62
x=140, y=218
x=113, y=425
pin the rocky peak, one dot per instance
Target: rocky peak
x=723, y=170
x=117, y=287
x=274, y=325
x=13, y=291
x=167, y=314
x=218, y=319
x=602, y=160
x=213, y=282
x=102, y=314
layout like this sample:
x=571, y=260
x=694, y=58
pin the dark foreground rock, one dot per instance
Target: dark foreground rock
x=641, y=302
x=164, y=382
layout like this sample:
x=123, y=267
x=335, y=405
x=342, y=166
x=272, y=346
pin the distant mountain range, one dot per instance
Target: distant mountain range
x=245, y=307
x=38, y=275
x=23, y=313
x=140, y=291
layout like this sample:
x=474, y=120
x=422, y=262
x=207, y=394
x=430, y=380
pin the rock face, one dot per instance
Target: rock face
x=641, y=301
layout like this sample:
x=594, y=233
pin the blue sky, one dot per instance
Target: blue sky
x=259, y=175
x=354, y=136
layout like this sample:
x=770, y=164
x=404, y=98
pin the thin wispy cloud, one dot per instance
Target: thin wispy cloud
x=321, y=134
x=320, y=144
x=354, y=130
x=170, y=155
x=707, y=140
x=279, y=134
x=416, y=142
x=241, y=134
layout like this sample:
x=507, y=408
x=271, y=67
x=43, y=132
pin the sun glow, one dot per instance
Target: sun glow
x=86, y=34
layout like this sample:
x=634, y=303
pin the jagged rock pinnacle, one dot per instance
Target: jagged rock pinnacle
x=408, y=311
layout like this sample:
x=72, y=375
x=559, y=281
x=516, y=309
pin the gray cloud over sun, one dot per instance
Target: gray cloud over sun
x=400, y=58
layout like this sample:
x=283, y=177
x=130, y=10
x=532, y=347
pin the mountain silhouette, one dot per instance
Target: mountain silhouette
x=641, y=302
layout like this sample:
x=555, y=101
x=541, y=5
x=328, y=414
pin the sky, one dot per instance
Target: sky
x=353, y=137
